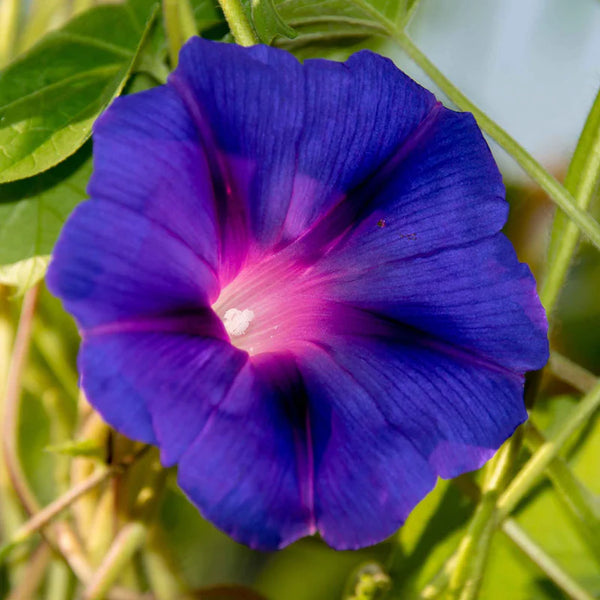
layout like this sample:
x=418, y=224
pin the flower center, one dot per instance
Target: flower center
x=237, y=321
x=269, y=306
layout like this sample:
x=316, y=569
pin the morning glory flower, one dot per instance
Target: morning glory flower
x=291, y=278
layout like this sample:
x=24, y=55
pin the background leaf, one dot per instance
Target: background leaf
x=336, y=21
x=24, y=274
x=207, y=14
x=50, y=97
x=268, y=22
x=33, y=210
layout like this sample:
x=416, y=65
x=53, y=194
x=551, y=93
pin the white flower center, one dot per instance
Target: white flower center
x=237, y=321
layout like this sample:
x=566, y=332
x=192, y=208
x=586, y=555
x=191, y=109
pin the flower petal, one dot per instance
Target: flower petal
x=175, y=377
x=423, y=249
x=237, y=427
x=440, y=189
x=477, y=297
x=112, y=264
x=387, y=417
x=293, y=139
x=248, y=470
x=148, y=158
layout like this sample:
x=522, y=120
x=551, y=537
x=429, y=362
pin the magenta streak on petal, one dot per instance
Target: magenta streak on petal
x=279, y=291
x=283, y=299
x=362, y=322
x=328, y=231
x=231, y=214
x=201, y=322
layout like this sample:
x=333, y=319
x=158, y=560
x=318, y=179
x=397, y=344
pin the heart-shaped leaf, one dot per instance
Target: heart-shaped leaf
x=50, y=96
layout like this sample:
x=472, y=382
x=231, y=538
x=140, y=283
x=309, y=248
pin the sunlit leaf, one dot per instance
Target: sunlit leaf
x=33, y=210
x=50, y=97
x=24, y=274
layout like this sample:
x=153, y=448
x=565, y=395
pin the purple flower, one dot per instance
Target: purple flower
x=291, y=278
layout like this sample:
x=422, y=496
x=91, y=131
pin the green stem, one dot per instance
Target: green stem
x=547, y=564
x=10, y=426
x=59, y=581
x=473, y=550
x=581, y=505
x=581, y=181
x=37, y=564
x=439, y=583
x=44, y=516
x=529, y=474
x=557, y=193
x=126, y=544
x=240, y=27
x=408, y=17
x=573, y=374
x=10, y=510
x=179, y=24
x=51, y=347
x=9, y=21
x=402, y=8
x=163, y=581
x=514, y=532
x=70, y=548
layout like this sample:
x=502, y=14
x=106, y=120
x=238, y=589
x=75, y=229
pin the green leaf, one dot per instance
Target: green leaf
x=207, y=14
x=24, y=274
x=368, y=582
x=268, y=22
x=50, y=97
x=354, y=17
x=372, y=10
x=89, y=448
x=33, y=210
x=335, y=28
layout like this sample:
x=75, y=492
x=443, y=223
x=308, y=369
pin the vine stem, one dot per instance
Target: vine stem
x=62, y=536
x=582, y=180
x=546, y=563
x=10, y=510
x=9, y=18
x=35, y=570
x=528, y=475
x=179, y=25
x=129, y=540
x=581, y=504
x=557, y=193
x=532, y=550
x=240, y=27
x=473, y=550
x=572, y=373
x=12, y=403
x=45, y=515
